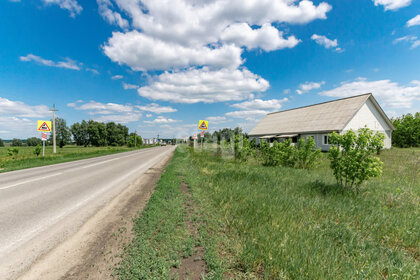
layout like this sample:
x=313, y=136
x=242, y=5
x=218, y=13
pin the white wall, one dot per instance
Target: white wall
x=369, y=116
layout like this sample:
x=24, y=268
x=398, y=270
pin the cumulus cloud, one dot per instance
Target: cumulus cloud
x=142, y=53
x=414, y=21
x=326, y=43
x=249, y=115
x=258, y=104
x=117, y=77
x=112, y=17
x=19, y=109
x=204, y=85
x=129, y=86
x=107, y=112
x=162, y=120
x=216, y=120
x=308, y=86
x=267, y=37
x=156, y=108
x=70, y=5
x=67, y=63
x=392, y=5
x=411, y=39
x=390, y=94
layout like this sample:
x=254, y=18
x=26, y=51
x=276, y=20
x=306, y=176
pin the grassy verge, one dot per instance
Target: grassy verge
x=280, y=223
x=26, y=158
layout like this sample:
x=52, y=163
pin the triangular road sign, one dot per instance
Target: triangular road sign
x=203, y=125
x=44, y=127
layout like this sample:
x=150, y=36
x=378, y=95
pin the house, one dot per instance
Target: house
x=319, y=120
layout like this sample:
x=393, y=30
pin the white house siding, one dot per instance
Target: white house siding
x=369, y=116
x=319, y=140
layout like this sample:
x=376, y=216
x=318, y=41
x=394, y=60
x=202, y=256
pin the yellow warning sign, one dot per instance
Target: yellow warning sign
x=203, y=125
x=44, y=126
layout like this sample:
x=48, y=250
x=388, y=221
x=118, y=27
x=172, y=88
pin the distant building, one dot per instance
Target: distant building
x=319, y=120
x=150, y=141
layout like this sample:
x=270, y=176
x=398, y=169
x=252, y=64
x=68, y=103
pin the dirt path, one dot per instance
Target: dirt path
x=93, y=251
x=194, y=266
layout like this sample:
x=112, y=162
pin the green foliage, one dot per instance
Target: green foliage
x=352, y=159
x=1, y=143
x=62, y=133
x=242, y=148
x=16, y=143
x=37, y=150
x=407, y=131
x=80, y=132
x=97, y=133
x=305, y=155
x=117, y=134
x=13, y=152
x=131, y=142
x=33, y=141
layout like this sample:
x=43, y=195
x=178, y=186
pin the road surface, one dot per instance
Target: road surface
x=41, y=207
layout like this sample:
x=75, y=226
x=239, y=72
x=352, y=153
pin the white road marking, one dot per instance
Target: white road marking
x=32, y=180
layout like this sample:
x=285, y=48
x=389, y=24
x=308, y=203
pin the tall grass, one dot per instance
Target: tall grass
x=296, y=224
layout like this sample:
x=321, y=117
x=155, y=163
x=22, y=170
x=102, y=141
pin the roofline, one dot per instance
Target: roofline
x=381, y=111
x=357, y=111
x=297, y=132
x=319, y=103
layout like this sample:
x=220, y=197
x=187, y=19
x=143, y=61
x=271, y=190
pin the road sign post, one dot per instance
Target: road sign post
x=203, y=125
x=43, y=138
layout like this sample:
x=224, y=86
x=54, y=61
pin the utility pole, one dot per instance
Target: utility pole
x=53, y=127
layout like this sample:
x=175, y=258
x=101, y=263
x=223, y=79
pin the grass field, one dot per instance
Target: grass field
x=26, y=158
x=280, y=223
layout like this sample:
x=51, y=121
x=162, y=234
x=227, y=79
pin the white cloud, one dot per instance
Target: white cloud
x=149, y=115
x=142, y=52
x=249, y=115
x=94, y=71
x=414, y=21
x=70, y=5
x=216, y=120
x=258, y=104
x=286, y=91
x=204, y=85
x=392, y=5
x=156, y=108
x=267, y=37
x=20, y=109
x=308, y=86
x=390, y=94
x=413, y=40
x=326, y=43
x=107, y=112
x=117, y=77
x=112, y=17
x=129, y=86
x=68, y=63
x=162, y=120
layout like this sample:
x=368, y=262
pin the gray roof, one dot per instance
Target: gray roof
x=328, y=116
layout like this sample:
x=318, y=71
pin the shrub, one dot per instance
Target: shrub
x=407, y=131
x=13, y=152
x=38, y=150
x=33, y=141
x=1, y=143
x=306, y=156
x=242, y=148
x=352, y=159
x=16, y=143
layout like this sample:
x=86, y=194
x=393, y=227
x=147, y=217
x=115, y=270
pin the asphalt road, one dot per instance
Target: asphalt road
x=41, y=207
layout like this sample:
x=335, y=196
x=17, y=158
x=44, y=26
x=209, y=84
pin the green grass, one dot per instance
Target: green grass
x=26, y=158
x=281, y=223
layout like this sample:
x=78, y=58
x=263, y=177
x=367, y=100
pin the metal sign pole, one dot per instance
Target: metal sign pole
x=43, y=148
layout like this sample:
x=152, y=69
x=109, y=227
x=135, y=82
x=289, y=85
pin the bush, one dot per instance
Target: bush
x=306, y=156
x=13, y=152
x=407, y=131
x=352, y=159
x=33, y=141
x=38, y=150
x=1, y=143
x=242, y=148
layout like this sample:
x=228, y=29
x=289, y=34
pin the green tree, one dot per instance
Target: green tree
x=117, y=134
x=80, y=132
x=351, y=156
x=33, y=141
x=407, y=131
x=62, y=133
x=131, y=142
x=16, y=143
x=97, y=133
x=1, y=143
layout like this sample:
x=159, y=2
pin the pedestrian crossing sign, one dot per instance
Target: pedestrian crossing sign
x=44, y=126
x=203, y=125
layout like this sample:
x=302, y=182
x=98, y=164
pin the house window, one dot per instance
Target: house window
x=326, y=140
x=294, y=139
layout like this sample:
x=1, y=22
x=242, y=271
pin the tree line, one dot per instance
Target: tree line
x=85, y=133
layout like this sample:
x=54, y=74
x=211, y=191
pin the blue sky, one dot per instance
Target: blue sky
x=160, y=66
